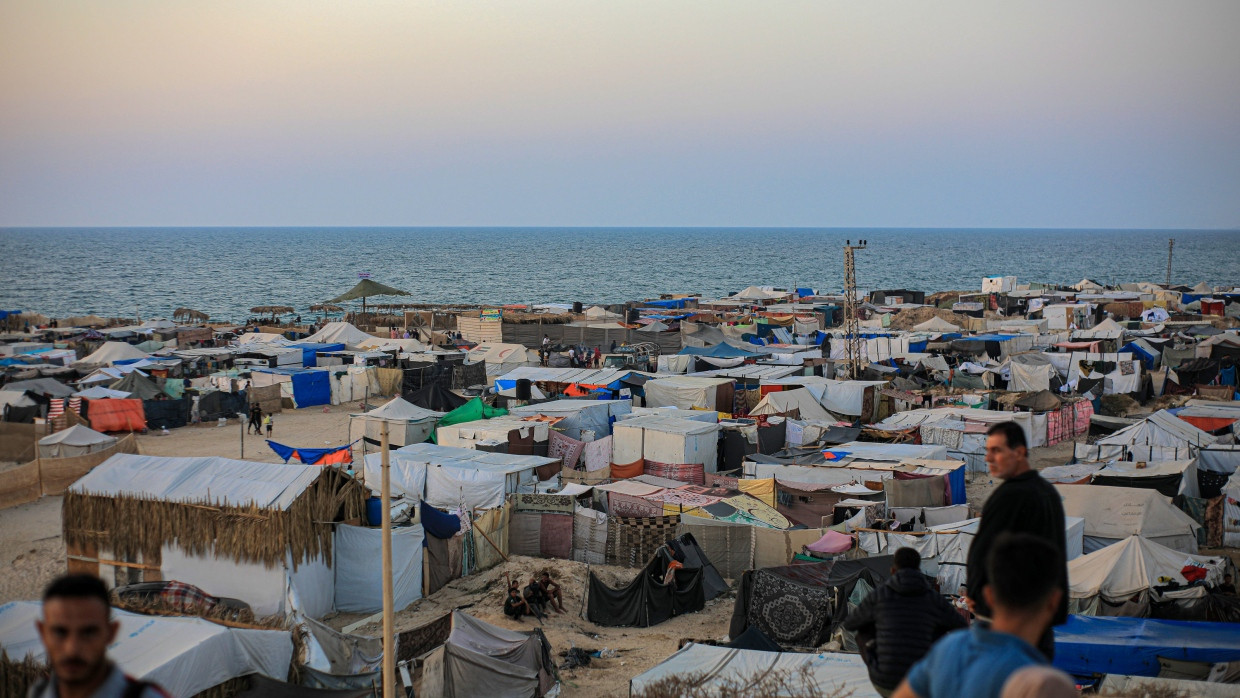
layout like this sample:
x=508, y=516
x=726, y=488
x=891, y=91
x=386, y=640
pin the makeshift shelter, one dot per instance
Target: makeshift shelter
x=258, y=532
x=1114, y=513
x=359, y=581
x=516, y=435
x=665, y=440
x=1127, y=578
x=448, y=478
x=1161, y=436
x=112, y=352
x=435, y=397
x=407, y=424
x=577, y=416
x=99, y=392
x=798, y=403
x=112, y=415
x=77, y=440
x=40, y=386
x=936, y=324
x=832, y=673
x=480, y=659
x=1088, y=646
x=647, y=600
x=138, y=385
x=1169, y=478
x=185, y=655
x=802, y=605
x=1041, y=401
x=339, y=333
x=690, y=392
x=500, y=358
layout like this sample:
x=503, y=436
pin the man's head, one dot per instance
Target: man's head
x=1024, y=573
x=513, y=591
x=1007, y=454
x=77, y=628
x=546, y=576
x=906, y=559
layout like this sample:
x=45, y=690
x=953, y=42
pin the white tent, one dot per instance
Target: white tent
x=936, y=324
x=340, y=333
x=111, y=352
x=99, y=392
x=452, y=477
x=407, y=423
x=666, y=440
x=1231, y=511
x=799, y=399
x=594, y=416
x=834, y=673
x=1113, y=513
x=469, y=434
x=501, y=358
x=596, y=312
x=1161, y=429
x=77, y=440
x=186, y=656
x=756, y=293
x=685, y=392
x=1105, y=582
x=262, y=338
x=1087, y=285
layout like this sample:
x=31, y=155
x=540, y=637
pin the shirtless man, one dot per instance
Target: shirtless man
x=552, y=592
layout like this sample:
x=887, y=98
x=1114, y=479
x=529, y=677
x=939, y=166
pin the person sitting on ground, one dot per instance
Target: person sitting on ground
x=904, y=617
x=536, y=598
x=552, y=591
x=1227, y=587
x=76, y=629
x=515, y=606
x=1023, y=591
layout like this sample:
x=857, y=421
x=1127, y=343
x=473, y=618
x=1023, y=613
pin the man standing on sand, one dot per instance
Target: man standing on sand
x=1024, y=503
x=256, y=420
x=76, y=629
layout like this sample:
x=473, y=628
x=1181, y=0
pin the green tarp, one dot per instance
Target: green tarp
x=471, y=411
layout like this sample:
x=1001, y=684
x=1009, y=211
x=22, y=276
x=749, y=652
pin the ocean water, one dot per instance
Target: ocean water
x=225, y=271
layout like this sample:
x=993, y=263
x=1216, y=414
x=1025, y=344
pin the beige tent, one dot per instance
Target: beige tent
x=340, y=333
x=600, y=313
x=111, y=352
x=1114, y=513
x=1119, y=579
x=77, y=440
x=936, y=324
x=800, y=400
x=407, y=424
x=755, y=293
x=1087, y=285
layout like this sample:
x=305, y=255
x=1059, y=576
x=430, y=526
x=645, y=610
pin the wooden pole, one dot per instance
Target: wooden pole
x=493, y=545
x=389, y=640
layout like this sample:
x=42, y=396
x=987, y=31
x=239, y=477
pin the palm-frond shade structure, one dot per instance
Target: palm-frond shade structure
x=274, y=310
x=365, y=289
x=190, y=314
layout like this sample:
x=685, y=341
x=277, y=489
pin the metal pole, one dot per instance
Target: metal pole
x=389, y=641
x=243, y=438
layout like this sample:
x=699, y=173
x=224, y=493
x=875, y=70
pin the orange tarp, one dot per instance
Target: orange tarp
x=623, y=472
x=110, y=414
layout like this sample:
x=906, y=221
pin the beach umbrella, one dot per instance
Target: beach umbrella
x=190, y=314
x=326, y=308
x=273, y=309
x=365, y=289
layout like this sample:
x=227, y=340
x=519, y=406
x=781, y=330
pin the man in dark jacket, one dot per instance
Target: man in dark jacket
x=1024, y=503
x=904, y=616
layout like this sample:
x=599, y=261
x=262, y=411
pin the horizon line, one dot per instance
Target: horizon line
x=612, y=227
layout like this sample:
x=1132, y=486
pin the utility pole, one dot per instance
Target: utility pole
x=1170, y=247
x=389, y=625
x=852, y=324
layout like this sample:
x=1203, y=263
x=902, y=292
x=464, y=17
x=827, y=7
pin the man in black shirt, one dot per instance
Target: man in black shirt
x=515, y=606
x=1024, y=503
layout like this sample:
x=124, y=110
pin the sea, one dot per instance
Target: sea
x=149, y=272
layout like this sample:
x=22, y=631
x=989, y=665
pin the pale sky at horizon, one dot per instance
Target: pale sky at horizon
x=1108, y=113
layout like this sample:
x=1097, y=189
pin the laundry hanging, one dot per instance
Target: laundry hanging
x=315, y=456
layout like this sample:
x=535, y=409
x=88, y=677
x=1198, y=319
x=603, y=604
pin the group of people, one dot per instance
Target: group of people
x=540, y=594
x=579, y=355
x=914, y=641
x=259, y=421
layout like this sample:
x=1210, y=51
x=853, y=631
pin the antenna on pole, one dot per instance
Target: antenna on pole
x=852, y=324
x=1170, y=247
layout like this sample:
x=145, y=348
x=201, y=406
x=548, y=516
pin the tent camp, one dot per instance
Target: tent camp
x=1114, y=513
x=690, y=392
x=138, y=385
x=1127, y=578
x=449, y=477
x=407, y=424
x=519, y=435
x=110, y=353
x=798, y=403
x=647, y=600
x=1161, y=436
x=184, y=655
x=802, y=605
x=935, y=324
x=480, y=659
x=77, y=440
x=832, y=673
x=258, y=532
x=500, y=358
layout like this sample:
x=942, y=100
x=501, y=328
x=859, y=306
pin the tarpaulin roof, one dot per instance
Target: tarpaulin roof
x=112, y=352
x=222, y=481
x=39, y=386
x=1160, y=429
x=471, y=411
x=1133, y=565
x=399, y=410
x=340, y=333
x=723, y=350
x=1119, y=512
x=186, y=656
x=138, y=386
x=77, y=435
x=1087, y=645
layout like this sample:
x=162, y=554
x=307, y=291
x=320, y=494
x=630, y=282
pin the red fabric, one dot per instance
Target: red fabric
x=1193, y=573
x=109, y=414
x=555, y=535
x=338, y=458
x=626, y=471
x=692, y=473
x=1210, y=424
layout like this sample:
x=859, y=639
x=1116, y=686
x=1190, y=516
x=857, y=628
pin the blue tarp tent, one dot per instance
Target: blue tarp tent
x=723, y=350
x=312, y=388
x=310, y=350
x=674, y=303
x=1146, y=358
x=1088, y=645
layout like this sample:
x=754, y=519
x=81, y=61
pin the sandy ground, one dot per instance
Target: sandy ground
x=33, y=553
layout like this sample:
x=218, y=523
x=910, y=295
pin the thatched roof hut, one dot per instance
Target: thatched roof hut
x=209, y=516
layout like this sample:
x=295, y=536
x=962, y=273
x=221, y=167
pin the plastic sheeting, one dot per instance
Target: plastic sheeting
x=482, y=659
x=359, y=581
x=1086, y=646
x=1114, y=513
x=183, y=655
x=833, y=673
x=1133, y=565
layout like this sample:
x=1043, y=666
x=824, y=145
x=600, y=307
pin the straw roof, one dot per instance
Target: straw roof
x=273, y=309
x=190, y=314
x=326, y=307
x=367, y=288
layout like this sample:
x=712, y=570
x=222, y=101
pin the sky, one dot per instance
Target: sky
x=1106, y=113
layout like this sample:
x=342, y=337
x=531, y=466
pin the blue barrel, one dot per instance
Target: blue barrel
x=374, y=511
